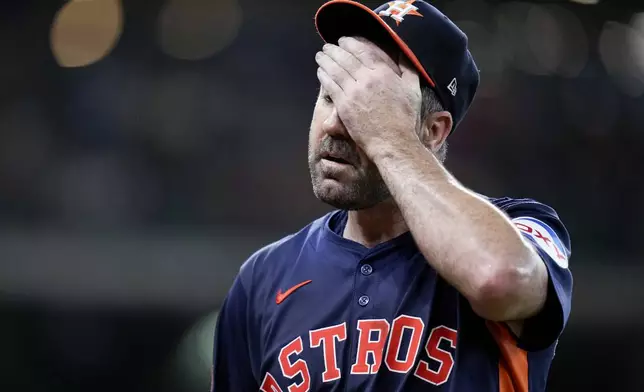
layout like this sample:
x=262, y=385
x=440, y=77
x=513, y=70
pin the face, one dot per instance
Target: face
x=341, y=174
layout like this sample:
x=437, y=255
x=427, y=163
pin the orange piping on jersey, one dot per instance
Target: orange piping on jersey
x=513, y=361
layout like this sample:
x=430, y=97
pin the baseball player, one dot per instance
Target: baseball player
x=414, y=282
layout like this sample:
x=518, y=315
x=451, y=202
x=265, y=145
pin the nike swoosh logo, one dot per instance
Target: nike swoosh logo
x=281, y=296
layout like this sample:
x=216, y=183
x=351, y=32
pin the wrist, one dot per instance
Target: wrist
x=396, y=148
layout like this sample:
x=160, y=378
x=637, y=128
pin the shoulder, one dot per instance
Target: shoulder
x=275, y=257
x=538, y=222
x=517, y=206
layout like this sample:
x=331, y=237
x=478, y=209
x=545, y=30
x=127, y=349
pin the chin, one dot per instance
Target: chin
x=347, y=189
x=335, y=193
x=342, y=196
x=342, y=203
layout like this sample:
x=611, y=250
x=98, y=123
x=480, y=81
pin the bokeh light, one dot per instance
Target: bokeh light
x=637, y=45
x=543, y=39
x=197, y=29
x=587, y=2
x=567, y=39
x=619, y=48
x=85, y=31
x=193, y=360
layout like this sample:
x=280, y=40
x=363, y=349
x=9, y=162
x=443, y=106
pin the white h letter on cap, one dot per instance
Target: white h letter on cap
x=398, y=9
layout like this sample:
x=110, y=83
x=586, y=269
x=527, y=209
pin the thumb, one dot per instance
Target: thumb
x=409, y=73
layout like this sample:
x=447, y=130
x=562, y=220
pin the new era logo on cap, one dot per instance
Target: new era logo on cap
x=452, y=87
x=432, y=42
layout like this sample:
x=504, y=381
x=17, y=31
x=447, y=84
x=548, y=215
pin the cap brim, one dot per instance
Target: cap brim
x=346, y=18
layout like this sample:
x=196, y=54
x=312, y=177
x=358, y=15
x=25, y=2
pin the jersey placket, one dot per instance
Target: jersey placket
x=369, y=334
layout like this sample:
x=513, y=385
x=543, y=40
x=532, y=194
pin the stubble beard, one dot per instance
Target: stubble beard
x=366, y=191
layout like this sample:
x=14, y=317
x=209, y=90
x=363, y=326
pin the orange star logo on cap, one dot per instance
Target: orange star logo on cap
x=398, y=9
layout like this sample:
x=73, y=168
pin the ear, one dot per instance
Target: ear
x=436, y=129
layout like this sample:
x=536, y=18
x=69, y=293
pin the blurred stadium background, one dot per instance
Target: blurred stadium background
x=148, y=147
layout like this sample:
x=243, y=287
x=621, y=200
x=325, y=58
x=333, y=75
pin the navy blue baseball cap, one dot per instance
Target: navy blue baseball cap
x=430, y=40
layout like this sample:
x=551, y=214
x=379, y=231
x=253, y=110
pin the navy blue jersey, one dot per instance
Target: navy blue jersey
x=318, y=312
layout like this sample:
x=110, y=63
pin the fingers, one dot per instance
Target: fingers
x=329, y=85
x=333, y=68
x=359, y=60
x=346, y=60
x=368, y=53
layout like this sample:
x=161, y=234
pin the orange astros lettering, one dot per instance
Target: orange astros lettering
x=393, y=347
x=281, y=296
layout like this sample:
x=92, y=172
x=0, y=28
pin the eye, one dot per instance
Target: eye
x=327, y=98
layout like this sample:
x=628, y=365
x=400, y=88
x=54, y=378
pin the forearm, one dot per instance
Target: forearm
x=469, y=242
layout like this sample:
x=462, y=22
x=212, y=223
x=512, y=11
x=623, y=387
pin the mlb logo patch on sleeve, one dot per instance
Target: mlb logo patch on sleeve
x=544, y=237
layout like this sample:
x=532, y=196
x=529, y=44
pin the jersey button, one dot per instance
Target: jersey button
x=366, y=269
x=363, y=300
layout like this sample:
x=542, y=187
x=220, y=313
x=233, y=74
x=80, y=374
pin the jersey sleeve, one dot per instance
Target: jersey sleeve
x=232, y=366
x=541, y=225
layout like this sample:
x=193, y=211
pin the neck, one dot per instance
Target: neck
x=375, y=225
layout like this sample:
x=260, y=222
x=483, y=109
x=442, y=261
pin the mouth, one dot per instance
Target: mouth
x=335, y=159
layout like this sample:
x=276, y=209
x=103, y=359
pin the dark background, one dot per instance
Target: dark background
x=147, y=148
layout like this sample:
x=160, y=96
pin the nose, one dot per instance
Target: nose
x=334, y=127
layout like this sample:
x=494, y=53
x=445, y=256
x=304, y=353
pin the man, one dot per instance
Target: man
x=414, y=283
